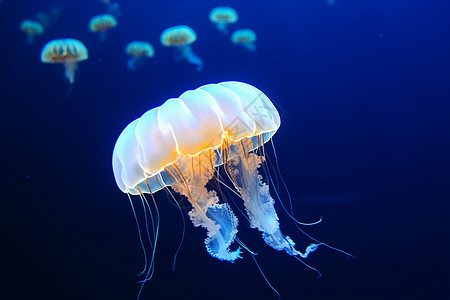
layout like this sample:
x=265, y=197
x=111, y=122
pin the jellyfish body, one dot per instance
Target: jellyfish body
x=222, y=16
x=32, y=29
x=43, y=18
x=184, y=142
x=101, y=24
x=67, y=52
x=245, y=38
x=181, y=37
x=138, y=52
x=113, y=8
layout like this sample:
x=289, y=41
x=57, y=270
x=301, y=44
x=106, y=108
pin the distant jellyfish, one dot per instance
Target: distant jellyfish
x=181, y=37
x=222, y=16
x=113, y=8
x=244, y=37
x=43, y=18
x=32, y=29
x=139, y=51
x=50, y=17
x=67, y=52
x=101, y=24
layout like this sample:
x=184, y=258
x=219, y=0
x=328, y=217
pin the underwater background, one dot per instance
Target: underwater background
x=363, y=91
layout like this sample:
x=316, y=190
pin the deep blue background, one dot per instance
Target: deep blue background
x=363, y=89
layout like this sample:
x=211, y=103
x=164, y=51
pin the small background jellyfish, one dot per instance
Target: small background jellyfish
x=32, y=29
x=181, y=37
x=222, y=16
x=47, y=18
x=183, y=143
x=112, y=8
x=101, y=24
x=67, y=52
x=139, y=51
x=245, y=38
x=43, y=18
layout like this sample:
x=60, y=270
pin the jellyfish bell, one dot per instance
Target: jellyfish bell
x=214, y=132
x=101, y=24
x=245, y=38
x=32, y=29
x=67, y=52
x=138, y=51
x=222, y=16
x=181, y=37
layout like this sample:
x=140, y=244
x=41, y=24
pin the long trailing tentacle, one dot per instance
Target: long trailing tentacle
x=184, y=228
x=140, y=236
x=151, y=268
x=291, y=213
x=253, y=254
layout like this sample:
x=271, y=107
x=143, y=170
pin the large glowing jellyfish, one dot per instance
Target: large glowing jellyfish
x=222, y=16
x=138, y=50
x=32, y=29
x=67, y=52
x=181, y=37
x=245, y=38
x=213, y=136
x=101, y=24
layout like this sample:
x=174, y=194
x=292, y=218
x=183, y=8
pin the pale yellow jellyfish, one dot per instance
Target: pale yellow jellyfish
x=101, y=24
x=244, y=37
x=222, y=16
x=67, y=52
x=181, y=37
x=138, y=50
x=32, y=29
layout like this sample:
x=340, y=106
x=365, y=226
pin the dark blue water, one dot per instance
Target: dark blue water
x=363, y=90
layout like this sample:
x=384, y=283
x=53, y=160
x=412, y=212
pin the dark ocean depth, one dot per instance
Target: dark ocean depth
x=363, y=92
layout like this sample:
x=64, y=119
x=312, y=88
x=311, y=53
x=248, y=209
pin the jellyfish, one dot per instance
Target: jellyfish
x=204, y=136
x=138, y=51
x=47, y=18
x=244, y=37
x=101, y=24
x=222, y=16
x=43, y=18
x=181, y=37
x=32, y=29
x=67, y=52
